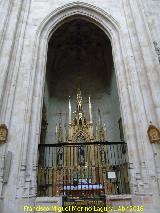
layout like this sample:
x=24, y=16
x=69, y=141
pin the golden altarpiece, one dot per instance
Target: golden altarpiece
x=80, y=160
x=80, y=163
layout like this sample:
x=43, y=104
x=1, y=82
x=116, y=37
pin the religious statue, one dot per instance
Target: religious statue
x=153, y=134
x=3, y=133
x=79, y=100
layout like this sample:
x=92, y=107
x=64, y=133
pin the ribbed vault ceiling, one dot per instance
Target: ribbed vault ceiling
x=79, y=55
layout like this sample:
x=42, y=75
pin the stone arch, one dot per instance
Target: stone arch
x=89, y=12
x=44, y=32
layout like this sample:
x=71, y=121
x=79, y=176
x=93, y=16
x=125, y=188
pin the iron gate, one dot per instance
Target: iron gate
x=83, y=170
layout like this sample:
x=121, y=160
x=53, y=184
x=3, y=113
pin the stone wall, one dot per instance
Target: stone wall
x=108, y=103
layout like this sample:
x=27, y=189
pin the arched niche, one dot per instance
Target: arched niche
x=80, y=56
x=104, y=21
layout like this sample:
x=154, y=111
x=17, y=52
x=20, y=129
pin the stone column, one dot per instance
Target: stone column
x=13, y=29
x=143, y=79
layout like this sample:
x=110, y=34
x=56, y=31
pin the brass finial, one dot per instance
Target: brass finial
x=70, y=113
x=90, y=110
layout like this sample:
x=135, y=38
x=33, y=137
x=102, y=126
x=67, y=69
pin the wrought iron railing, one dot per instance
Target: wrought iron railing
x=90, y=169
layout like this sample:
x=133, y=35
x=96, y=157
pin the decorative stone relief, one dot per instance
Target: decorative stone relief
x=157, y=49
